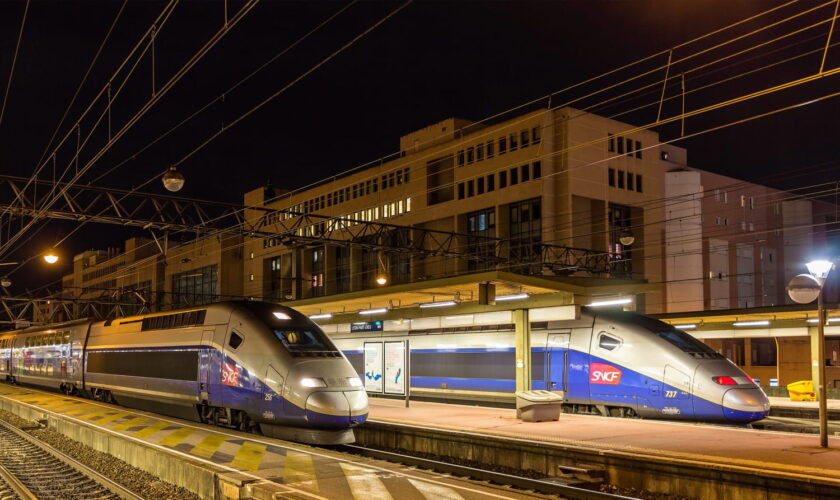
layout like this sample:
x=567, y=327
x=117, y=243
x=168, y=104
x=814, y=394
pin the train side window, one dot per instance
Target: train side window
x=607, y=342
x=235, y=340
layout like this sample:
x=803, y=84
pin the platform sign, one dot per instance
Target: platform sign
x=395, y=369
x=374, y=367
x=368, y=326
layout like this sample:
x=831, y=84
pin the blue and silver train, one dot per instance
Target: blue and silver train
x=243, y=365
x=612, y=363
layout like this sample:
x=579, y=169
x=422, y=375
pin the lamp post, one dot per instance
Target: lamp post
x=802, y=289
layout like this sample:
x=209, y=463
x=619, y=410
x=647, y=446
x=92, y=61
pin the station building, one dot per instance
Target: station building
x=553, y=186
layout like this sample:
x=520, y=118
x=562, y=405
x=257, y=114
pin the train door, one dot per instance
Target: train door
x=557, y=355
x=205, y=358
x=676, y=393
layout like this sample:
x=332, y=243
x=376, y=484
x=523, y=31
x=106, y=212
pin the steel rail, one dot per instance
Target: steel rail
x=14, y=483
x=95, y=476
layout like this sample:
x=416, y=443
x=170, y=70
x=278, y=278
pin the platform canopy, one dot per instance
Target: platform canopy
x=404, y=300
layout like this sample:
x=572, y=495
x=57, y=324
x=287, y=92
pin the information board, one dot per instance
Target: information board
x=395, y=369
x=373, y=367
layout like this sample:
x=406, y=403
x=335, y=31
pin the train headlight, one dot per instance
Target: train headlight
x=281, y=315
x=354, y=381
x=313, y=382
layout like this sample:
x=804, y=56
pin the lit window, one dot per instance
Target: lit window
x=408, y=204
x=400, y=207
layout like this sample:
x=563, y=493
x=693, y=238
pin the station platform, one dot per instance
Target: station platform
x=221, y=464
x=792, y=456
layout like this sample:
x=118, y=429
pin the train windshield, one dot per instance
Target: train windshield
x=685, y=341
x=304, y=340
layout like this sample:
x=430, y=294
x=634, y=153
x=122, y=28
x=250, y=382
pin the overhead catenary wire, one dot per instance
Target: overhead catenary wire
x=14, y=62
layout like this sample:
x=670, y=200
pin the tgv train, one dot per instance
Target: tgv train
x=611, y=363
x=236, y=364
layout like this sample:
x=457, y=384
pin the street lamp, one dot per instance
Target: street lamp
x=50, y=256
x=173, y=180
x=803, y=289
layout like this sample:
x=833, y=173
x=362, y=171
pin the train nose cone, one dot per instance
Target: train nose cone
x=336, y=409
x=745, y=404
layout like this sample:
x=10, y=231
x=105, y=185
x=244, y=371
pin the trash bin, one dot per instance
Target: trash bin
x=538, y=406
x=802, y=391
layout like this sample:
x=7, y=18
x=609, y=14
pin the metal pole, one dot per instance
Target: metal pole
x=821, y=372
x=407, y=371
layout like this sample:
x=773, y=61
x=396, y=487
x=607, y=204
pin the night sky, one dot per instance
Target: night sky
x=430, y=61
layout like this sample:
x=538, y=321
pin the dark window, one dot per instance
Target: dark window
x=502, y=145
x=611, y=143
x=235, y=340
x=763, y=351
x=629, y=147
x=171, y=365
x=514, y=144
x=630, y=181
x=178, y=320
x=621, y=179
x=460, y=190
x=524, y=138
x=481, y=228
x=304, y=340
x=525, y=235
x=525, y=173
x=391, y=180
x=490, y=149
x=317, y=280
x=535, y=135
x=440, y=180
x=470, y=188
x=503, y=179
x=460, y=158
x=514, y=176
x=611, y=177
x=620, y=141
x=638, y=149
x=470, y=155
x=399, y=177
x=537, y=166
x=376, y=184
x=638, y=183
x=479, y=152
x=406, y=175
x=355, y=191
x=384, y=182
x=480, y=185
x=607, y=342
x=684, y=341
x=491, y=183
x=342, y=269
x=197, y=286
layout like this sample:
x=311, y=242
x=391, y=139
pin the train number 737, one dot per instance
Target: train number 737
x=670, y=394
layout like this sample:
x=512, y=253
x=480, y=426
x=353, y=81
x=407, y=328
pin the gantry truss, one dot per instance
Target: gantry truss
x=292, y=229
x=174, y=214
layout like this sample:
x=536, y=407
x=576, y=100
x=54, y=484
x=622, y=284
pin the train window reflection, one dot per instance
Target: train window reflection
x=304, y=340
x=685, y=342
x=607, y=342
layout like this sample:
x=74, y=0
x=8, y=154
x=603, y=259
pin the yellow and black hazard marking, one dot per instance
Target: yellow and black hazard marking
x=307, y=474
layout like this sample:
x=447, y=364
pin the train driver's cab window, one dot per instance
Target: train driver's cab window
x=608, y=342
x=235, y=340
x=304, y=340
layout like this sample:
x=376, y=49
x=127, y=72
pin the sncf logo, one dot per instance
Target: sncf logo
x=230, y=374
x=602, y=374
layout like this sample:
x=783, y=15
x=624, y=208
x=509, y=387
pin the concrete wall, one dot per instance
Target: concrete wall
x=683, y=246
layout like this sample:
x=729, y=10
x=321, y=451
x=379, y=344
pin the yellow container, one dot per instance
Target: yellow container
x=802, y=391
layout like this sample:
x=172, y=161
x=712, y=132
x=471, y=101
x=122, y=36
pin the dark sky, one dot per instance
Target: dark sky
x=431, y=61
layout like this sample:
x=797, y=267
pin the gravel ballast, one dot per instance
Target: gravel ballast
x=140, y=482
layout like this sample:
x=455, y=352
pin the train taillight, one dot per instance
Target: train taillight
x=724, y=381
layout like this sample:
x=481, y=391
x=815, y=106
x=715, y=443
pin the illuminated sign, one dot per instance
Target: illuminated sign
x=369, y=326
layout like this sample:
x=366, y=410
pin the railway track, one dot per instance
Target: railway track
x=32, y=469
x=567, y=488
